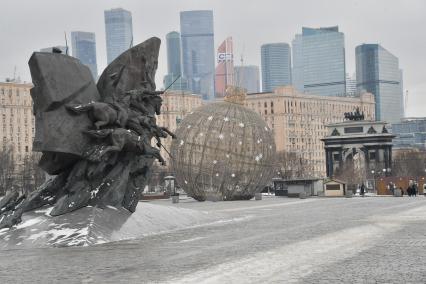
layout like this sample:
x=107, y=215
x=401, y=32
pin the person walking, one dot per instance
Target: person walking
x=362, y=191
x=414, y=189
x=409, y=190
x=402, y=191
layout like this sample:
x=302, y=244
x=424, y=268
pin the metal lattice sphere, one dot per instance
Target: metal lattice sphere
x=223, y=151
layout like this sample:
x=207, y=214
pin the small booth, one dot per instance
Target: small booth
x=293, y=188
x=334, y=187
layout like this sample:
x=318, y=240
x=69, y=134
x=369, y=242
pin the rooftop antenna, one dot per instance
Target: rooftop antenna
x=240, y=79
x=14, y=74
x=66, y=43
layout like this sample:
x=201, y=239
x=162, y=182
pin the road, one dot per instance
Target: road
x=276, y=240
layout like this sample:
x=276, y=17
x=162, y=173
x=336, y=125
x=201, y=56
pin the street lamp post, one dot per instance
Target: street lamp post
x=374, y=181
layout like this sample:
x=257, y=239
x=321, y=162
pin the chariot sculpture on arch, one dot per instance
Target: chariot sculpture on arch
x=94, y=138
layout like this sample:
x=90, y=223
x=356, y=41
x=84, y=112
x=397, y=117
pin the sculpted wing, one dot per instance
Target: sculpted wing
x=133, y=69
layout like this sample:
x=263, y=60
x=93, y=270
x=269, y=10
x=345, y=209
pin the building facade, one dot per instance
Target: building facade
x=247, y=77
x=119, y=32
x=377, y=72
x=197, y=37
x=319, y=61
x=410, y=133
x=175, y=106
x=276, y=66
x=224, y=75
x=84, y=49
x=16, y=119
x=298, y=120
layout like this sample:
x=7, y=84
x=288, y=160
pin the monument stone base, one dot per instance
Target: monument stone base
x=93, y=225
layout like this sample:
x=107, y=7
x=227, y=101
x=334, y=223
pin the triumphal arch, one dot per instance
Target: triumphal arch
x=367, y=142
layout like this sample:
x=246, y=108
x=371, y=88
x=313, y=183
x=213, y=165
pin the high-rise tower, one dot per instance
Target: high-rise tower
x=119, y=32
x=377, y=72
x=224, y=68
x=247, y=77
x=197, y=36
x=84, y=48
x=174, y=63
x=319, y=61
x=276, y=66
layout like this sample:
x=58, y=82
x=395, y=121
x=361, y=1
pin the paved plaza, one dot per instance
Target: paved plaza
x=275, y=240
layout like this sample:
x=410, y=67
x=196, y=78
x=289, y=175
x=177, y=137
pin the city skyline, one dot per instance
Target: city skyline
x=402, y=39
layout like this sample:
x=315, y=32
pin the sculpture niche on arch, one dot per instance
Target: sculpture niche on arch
x=95, y=138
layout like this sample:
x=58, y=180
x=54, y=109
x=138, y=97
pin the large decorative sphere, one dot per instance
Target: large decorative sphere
x=223, y=151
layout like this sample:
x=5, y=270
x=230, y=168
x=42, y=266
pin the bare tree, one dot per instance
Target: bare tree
x=291, y=165
x=409, y=163
x=351, y=173
x=30, y=175
x=7, y=169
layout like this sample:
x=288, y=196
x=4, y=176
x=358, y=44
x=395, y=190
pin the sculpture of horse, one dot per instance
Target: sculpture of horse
x=121, y=139
x=103, y=113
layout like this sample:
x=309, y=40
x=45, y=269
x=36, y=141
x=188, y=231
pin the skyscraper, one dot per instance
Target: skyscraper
x=198, y=51
x=84, y=49
x=173, y=53
x=351, y=84
x=377, y=72
x=319, y=61
x=174, y=65
x=224, y=68
x=276, y=66
x=247, y=77
x=119, y=32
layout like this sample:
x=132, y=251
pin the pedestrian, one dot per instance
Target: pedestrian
x=409, y=190
x=362, y=189
x=402, y=191
x=415, y=190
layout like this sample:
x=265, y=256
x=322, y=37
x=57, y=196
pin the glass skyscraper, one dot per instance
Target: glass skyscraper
x=247, y=77
x=377, y=72
x=119, y=32
x=198, y=58
x=174, y=65
x=276, y=66
x=84, y=48
x=173, y=53
x=319, y=61
x=410, y=133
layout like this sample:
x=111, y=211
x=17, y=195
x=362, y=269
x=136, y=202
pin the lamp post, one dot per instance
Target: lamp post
x=374, y=181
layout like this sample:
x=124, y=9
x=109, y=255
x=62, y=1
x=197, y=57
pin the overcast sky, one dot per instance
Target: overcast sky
x=398, y=25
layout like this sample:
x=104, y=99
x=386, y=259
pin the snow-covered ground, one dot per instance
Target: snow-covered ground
x=275, y=240
x=89, y=226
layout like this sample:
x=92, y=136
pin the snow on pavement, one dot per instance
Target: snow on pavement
x=290, y=263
